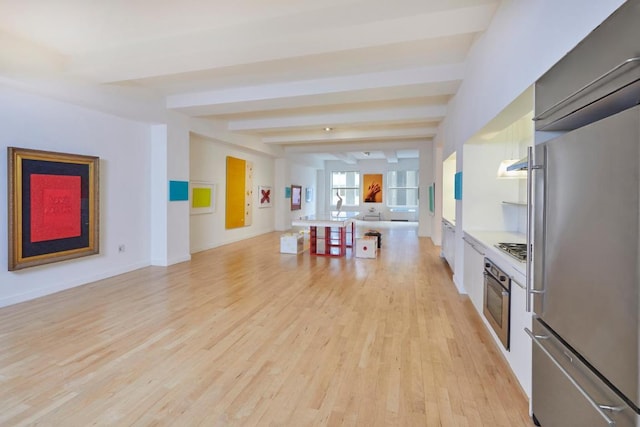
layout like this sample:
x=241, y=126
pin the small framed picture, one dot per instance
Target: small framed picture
x=265, y=194
x=203, y=197
x=296, y=197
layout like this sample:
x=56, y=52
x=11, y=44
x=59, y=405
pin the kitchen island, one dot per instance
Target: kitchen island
x=331, y=234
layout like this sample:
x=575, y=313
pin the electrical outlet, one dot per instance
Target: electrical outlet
x=121, y=248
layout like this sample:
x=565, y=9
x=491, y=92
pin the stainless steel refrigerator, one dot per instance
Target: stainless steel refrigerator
x=586, y=262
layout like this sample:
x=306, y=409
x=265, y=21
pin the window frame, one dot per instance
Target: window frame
x=390, y=188
x=356, y=188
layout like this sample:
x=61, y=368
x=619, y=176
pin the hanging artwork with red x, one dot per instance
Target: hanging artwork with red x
x=264, y=196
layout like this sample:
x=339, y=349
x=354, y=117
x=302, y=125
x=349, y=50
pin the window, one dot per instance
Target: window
x=402, y=188
x=347, y=184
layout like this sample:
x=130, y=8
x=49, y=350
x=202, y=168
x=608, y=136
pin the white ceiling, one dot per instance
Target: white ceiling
x=379, y=73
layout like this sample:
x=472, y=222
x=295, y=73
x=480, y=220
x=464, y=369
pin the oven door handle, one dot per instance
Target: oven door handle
x=599, y=408
x=496, y=283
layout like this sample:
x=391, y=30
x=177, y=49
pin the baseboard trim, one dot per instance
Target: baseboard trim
x=63, y=286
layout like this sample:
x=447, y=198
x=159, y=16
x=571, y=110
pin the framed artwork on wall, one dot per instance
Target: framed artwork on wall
x=308, y=194
x=203, y=197
x=372, y=188
x=239, y=193
x=178, y=191
x=432, y=199
x=53, y=207
x=457, y=192
x=296, y=197
x=265, y=194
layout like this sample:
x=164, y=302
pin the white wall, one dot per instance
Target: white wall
x=159, y=195
x=320, y=190
x=524, y=40
x=448, y=188
x=484, y=192
x=177, y=170
x=170, y=219
x=369, y=167
x=288, y=172
x=427, y=176
x=208, y=163
x=436, y=220
x=31, y=121
x=306, y=177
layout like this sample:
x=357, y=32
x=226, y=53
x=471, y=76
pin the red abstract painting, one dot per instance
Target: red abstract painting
x=55, y=207
x=265, y=197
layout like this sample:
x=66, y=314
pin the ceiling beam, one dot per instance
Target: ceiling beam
x=391, y=133
x=302, y=88
x=354, y=146
x=407, y=114
x=345, y=157
x=400, y=91
x=273, y=39
x=391, y=155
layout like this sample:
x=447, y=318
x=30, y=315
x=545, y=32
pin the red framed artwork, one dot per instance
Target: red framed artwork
x=53, y=207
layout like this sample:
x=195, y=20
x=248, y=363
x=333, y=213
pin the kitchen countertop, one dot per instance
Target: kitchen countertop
x=489, y=239
x=451, y=222
x=328, y=220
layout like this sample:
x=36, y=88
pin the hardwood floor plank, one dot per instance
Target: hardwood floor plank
x=243, y=335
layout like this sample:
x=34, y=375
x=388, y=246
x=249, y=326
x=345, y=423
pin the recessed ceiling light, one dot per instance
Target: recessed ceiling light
x=328, y=129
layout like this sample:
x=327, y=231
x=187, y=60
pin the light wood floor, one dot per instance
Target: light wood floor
x=244, y=335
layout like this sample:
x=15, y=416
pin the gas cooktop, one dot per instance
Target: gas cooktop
x=516, y=250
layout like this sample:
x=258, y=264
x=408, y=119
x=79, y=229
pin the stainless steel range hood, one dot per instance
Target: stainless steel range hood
x=520, y=165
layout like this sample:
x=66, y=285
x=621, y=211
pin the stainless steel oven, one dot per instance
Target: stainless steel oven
x=497, y=300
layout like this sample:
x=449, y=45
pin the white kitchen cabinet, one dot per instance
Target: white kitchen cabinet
x=520, y=354
x=477, y=242
x=449, y=243
x=473, y=269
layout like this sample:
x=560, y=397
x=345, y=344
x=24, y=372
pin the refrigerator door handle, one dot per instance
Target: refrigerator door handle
x=624, y=63
x=531, y=167
x=529, y=221
x=541, y=337
x=612, y=408
x=599, y=408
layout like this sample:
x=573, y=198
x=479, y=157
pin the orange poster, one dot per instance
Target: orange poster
x=372, y=188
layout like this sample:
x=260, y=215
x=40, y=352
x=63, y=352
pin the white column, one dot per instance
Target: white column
x=282, y=205
x=169, y=219
x=159, y=195
x=178, y=247
x=426, y=178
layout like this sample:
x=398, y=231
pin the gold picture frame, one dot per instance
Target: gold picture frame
x=53, y=205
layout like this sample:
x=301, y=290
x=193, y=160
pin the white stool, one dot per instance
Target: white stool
x=366, y=247
x=292, y=243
